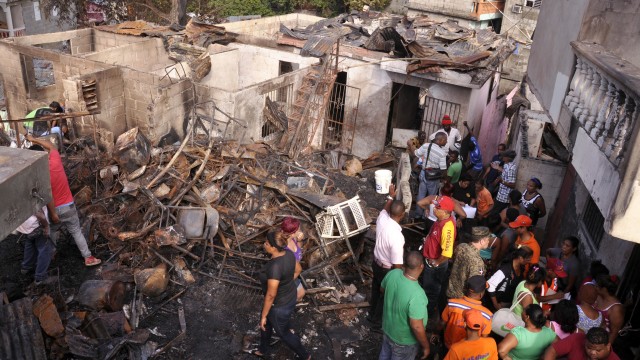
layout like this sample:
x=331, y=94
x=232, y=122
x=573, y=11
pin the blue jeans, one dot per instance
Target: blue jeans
x=426, y=187
x=392, y=351
x=433, y=281
x=38, y=250
x=69, y=218
x=278, y=320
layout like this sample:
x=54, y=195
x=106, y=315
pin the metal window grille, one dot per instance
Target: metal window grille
x=284, y=97
x=434, y=109
x=533, y=3
x=593, y=222
x=340, y=121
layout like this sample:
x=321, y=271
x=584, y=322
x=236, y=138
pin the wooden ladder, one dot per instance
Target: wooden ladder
x=309, y=108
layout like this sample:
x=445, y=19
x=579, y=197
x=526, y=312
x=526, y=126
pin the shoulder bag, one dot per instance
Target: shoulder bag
x=431, y=174
x=504, y=320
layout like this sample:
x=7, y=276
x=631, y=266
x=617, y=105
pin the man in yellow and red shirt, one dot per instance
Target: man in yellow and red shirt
x=452, y=315
x=437, y=250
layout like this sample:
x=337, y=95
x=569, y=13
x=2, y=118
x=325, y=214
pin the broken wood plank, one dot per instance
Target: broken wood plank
x=186, y=252
x=229, y=281
x=319, y=290
x=344, y=306
x=165, y=303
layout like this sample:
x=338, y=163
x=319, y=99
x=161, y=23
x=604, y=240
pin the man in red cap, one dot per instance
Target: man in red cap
x=475, y=346
x=525, y=237
x=437, y=250
x=453, y=135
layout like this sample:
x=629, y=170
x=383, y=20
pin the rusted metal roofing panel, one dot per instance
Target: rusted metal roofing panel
x=20, y=332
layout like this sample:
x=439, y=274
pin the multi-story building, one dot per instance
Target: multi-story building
x=584, y=71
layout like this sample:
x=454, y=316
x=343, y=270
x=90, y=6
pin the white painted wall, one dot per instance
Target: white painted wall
x=551, y=61
x=598, y=174
x=258, y=64
x=225, y=68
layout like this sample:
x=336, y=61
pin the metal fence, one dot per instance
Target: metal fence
x=433, y=111
x=340, y=120
x=284, y=97
x=593, y=222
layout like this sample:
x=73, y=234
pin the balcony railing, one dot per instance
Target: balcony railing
x=603, y=97
x=4, y=33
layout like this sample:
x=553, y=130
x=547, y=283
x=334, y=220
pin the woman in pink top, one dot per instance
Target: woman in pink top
x=565, y=319
x=609, y=306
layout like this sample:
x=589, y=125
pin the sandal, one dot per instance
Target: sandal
x=254, y=352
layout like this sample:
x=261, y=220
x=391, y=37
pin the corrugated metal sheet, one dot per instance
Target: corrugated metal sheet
x=20, y=332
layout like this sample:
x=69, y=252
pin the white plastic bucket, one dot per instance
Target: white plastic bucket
x=383, y=180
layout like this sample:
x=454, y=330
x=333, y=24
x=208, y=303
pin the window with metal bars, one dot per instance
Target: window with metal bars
x=593, y=222
x=533, y=3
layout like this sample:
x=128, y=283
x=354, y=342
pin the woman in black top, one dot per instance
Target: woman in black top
x=280, y=297
x=503, y=283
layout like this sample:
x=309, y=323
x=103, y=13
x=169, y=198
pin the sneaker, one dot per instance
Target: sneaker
x=25, y=271
x=92, y=261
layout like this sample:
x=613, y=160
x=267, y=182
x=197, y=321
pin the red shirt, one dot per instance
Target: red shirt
x=440, y=239
x=573, y=348
x=59, y=183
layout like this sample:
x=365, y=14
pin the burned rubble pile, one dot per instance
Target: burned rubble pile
x=171, y=216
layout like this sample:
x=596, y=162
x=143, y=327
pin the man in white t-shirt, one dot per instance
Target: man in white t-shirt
x=453, y=135
x=388, y=252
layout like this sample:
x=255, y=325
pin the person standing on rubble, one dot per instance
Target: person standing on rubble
x=291, y=231
x=405, y=315
x=38, y=248
x=279, y=288
x=388, y=252
x=452, y=134
x=434, y=167
x=437, y=250
x=62, y=209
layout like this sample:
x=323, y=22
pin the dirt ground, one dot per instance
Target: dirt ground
x=222, y=318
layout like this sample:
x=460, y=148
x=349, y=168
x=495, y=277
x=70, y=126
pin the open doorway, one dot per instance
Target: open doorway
x=341, y=114
x=404, y=109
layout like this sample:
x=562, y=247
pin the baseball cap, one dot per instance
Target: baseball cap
x=473, y=318
x=477, y=283
x=557, y=267
x=446, y=120
x=522, y=220
x=445, y=203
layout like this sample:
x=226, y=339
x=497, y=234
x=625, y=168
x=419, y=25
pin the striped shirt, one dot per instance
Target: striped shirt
x=437, y=156
x=509, y=176
x=455, y=330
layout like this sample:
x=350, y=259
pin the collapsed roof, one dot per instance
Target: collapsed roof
x=429, y=45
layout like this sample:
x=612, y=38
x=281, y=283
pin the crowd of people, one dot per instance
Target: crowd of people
x=480, y=286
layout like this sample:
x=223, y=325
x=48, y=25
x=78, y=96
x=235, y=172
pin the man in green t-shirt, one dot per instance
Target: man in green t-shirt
x=404, y=299
x=455, y=166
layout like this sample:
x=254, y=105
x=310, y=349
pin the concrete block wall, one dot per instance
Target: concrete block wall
x=103, y=40
x=22, y=95
x=225, y=101
x=140, y=89
x=110, y=91
x=171, y=109
x=147, y=56
x=83, y=43
x=268, y=27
